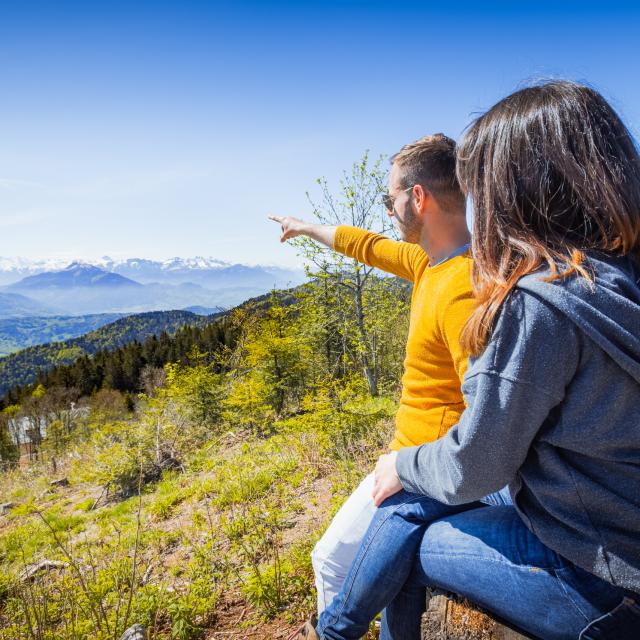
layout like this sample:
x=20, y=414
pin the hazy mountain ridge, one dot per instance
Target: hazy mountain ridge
x=77, y=274
x=13, y=269
x=14, y=305
x=21, y=333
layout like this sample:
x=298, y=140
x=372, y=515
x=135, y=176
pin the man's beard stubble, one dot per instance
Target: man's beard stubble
x=408, y=226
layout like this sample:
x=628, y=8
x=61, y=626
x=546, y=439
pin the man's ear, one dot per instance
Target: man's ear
x=421, y=198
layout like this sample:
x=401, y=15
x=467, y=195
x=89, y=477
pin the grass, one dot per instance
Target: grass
x=241, y=520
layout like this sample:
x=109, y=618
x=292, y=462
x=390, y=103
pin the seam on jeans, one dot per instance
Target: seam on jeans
x=627, y=604
x=569, y=598
x=356, y=568
x=470, y=556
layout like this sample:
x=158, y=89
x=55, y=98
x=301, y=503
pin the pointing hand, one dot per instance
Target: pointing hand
x=291, y=227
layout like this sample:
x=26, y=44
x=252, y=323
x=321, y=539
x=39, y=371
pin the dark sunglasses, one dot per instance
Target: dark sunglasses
x=388, y=200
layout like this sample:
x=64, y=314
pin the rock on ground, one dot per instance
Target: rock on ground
x=136, y=632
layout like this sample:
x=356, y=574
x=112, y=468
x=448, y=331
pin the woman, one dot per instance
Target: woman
x=552, y=393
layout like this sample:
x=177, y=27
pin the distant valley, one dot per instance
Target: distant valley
x=19, y=333
x=51, y=313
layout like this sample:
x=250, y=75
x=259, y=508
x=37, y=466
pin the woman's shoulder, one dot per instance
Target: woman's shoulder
x=529, y=334
x=604, y=307
x=613, y=272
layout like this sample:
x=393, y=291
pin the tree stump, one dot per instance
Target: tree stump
x=451, y=618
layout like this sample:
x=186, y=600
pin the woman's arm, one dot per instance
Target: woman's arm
x=509, y=391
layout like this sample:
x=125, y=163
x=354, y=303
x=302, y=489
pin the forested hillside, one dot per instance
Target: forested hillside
x=114, y=356
x=23, y=368
x=20, y=333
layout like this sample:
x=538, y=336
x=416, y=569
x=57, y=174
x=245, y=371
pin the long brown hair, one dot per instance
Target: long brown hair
x=552, y=172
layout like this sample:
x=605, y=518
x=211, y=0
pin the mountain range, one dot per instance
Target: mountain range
x=75, y=275
x=142, y=270
x=132, y=286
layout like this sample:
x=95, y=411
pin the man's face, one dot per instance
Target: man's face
x=403, y=213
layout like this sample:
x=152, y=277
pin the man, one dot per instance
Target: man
x=428, y=208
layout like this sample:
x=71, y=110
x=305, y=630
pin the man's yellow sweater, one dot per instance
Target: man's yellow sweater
x=435, y=363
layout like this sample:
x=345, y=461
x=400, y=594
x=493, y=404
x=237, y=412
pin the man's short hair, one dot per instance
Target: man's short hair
x=431, y=163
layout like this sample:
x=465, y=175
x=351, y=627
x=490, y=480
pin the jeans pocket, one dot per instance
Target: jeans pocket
x=621, y=623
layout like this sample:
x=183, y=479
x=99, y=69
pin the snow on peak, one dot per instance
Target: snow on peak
x=21, y=267
x=199, y=262
x=26, y=265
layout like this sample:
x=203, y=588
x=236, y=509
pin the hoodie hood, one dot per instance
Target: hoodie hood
x=607, y=310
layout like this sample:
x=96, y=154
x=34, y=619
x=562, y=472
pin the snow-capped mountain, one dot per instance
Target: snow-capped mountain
x=77, y=274
x=205, y=271
x=137, y=265
x=14, y=269
x=135, y=285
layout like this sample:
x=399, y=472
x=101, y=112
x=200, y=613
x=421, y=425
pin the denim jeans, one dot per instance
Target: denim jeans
x=483, y=552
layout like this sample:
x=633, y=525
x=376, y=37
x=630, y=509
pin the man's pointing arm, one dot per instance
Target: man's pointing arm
x=293, y=227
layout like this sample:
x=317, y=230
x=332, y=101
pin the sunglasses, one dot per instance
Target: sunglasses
x=388, y=200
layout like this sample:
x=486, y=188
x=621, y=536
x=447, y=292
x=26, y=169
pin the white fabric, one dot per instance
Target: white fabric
x=332, y=556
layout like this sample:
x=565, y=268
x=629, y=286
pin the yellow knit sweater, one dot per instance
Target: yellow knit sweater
x=431, y=400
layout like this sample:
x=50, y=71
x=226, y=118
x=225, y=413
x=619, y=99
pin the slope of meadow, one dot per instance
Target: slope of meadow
x=219, y=543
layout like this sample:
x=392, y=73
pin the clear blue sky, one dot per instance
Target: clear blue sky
x=155, y=129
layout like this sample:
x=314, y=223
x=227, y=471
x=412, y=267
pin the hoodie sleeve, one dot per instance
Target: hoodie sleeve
x=509, y=392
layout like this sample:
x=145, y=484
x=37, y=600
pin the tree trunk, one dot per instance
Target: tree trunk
x=450, y=618
x=369, y=371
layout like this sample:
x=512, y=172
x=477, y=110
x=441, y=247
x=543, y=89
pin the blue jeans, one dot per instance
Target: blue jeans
x=485, y=553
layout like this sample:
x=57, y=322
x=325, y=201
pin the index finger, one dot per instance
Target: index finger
x=276, y=218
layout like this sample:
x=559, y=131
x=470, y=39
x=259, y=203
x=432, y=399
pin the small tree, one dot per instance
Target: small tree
x=9, y=451
x=195, y=391
x=34, y=411
x=271, y=368
x=340, y=283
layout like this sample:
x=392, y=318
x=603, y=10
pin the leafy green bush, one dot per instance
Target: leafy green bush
x=196, y=393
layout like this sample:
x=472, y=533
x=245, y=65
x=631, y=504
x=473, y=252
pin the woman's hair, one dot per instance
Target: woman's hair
x=552, y=172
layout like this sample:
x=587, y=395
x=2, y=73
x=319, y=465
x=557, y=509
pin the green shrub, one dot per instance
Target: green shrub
x=168, y=494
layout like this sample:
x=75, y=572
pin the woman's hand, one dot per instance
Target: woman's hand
x=386, y=481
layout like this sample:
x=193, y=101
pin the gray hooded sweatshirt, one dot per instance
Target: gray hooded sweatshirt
x=553, y=410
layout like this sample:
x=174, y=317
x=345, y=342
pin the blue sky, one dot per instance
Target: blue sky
x=157, y=129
